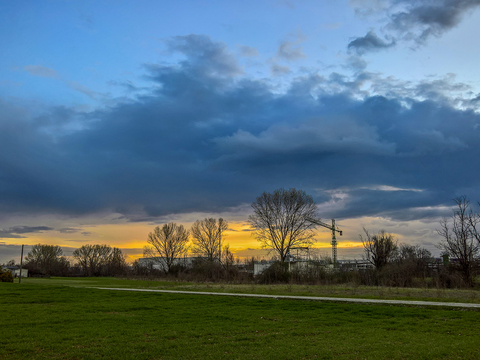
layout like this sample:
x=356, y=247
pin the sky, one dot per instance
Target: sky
x=119, y=116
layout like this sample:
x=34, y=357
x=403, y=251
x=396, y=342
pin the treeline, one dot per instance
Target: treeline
x=88, y=260
x=199, y=269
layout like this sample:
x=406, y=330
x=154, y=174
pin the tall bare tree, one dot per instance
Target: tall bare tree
x=208, y=237
x=281, y=220
x=380, y=249
x=167, y=244
x=461, y=239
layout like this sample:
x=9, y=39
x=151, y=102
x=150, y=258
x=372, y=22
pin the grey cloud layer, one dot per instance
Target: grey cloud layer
x=17, y=231
x=410, y=20
x=208, y=139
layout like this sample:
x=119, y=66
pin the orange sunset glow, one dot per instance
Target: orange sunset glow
x=132, y=237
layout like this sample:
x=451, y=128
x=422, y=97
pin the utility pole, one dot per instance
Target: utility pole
x=334, y=229
x=21, y=263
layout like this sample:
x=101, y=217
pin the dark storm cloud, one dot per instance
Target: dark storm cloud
x=410, y=20
x=395, y=204
x=368, y=43
x=206, y=139
x=16, y=232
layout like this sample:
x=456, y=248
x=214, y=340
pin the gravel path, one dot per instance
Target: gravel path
x=309, y=298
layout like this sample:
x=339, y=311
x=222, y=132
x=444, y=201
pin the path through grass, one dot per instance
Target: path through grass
x=350, y=291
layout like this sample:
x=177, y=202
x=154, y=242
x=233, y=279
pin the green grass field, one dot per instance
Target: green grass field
x=348, y=291
x=48, y=318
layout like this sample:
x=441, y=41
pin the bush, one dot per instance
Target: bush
x=204, y=270
x=450, y=278
x=277, y=273
x=177, y=269
x=6, y=276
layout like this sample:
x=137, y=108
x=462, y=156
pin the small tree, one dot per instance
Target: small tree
x=208, y=237
x=167, y=244
x=281, y=220
x=380, y=249
x=460, y=241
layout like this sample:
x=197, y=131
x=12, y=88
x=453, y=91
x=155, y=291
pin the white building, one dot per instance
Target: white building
x=15, y=270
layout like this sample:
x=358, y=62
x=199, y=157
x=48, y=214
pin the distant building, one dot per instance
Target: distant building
x=260, y=267
x=298, y=264
x=353, y=265
x=15, y=270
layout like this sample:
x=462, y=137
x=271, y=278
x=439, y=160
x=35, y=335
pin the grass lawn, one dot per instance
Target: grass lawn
x=45, y=319
x=349, y=291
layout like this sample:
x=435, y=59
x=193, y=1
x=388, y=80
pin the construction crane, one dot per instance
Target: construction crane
x=334, y=240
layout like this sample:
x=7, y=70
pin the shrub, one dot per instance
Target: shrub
x=205, y=270
x=450, y=278
x=277, y=273
x=6, y=276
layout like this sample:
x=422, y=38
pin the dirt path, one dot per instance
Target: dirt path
x=309, y=298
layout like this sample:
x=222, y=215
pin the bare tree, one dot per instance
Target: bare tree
x=227, y=258
x=281, y=220
x=380, y=249
x=208, y=236
x=460, y=241
x=93, y=258
x=167, y=244
x=48, y=259
x=82, y=255
x=116, y=262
